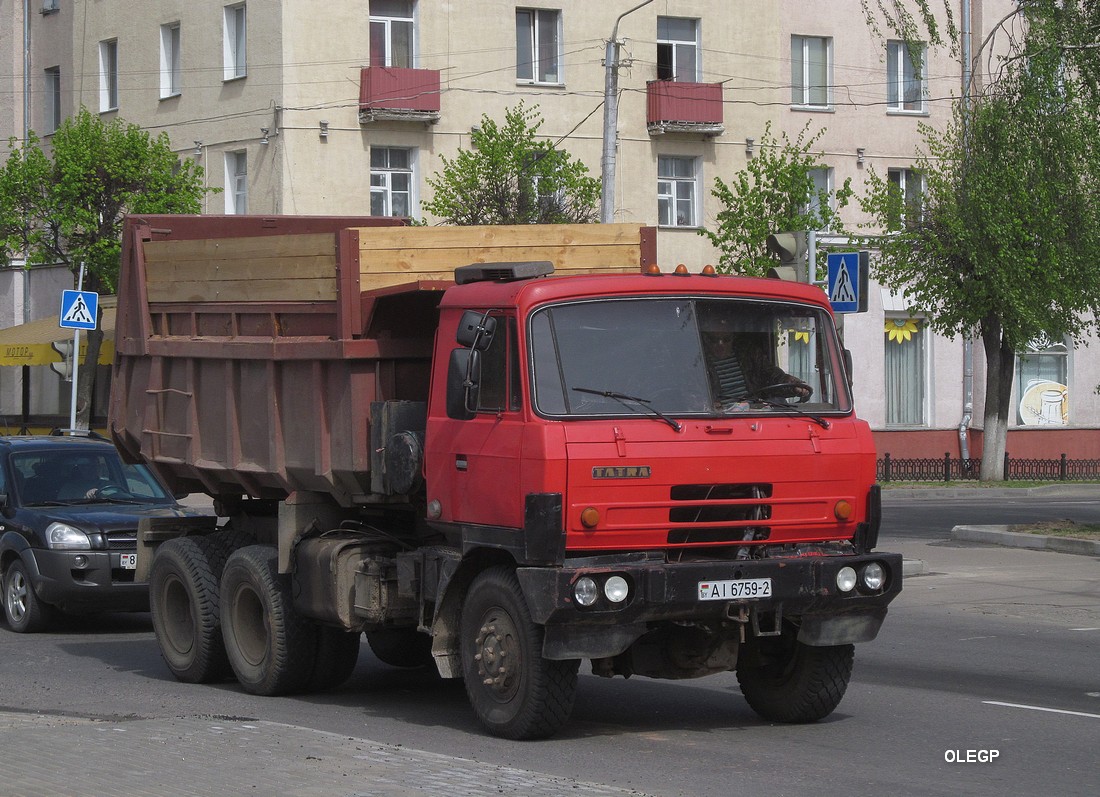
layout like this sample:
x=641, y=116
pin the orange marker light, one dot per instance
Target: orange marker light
x=590, y=517
x=708, y=271
x=681, y=269
x=652, y=269
x=842, y=510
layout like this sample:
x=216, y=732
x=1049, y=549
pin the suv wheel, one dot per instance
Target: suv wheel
x=25, y=613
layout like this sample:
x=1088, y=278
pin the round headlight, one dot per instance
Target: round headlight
x=585, y=591
x=873, y=576
x=846, y=579
x=616, y=589
x=63, y=537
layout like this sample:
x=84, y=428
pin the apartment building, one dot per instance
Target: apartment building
x=307, y=107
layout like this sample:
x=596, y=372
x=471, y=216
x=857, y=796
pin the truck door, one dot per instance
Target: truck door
x=473, y=465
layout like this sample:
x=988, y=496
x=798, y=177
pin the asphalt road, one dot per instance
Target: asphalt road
x=991, y=650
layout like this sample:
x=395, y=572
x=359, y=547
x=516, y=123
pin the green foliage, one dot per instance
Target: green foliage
x=775, y=192
x=510, y=177
x=67, y=205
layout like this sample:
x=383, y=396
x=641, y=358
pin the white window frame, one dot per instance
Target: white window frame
x=823, y=180
x=236, y=182
x=677, y=46
x=108, y=75
x=171, y=72
x=900, y=69
x=802, y=87
x=234, y=41
x=669, y=195
x=531, y=33
x=904, y=178
x=387, y=22
x=921, y=339
x=384, y=175
x=52, y=105
x=1044, y=353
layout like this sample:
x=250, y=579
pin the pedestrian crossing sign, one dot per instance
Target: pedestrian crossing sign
x=847, y=281
x=79, y=309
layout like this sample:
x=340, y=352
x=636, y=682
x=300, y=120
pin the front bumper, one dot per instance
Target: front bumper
x=801, y=587
x=100, y=585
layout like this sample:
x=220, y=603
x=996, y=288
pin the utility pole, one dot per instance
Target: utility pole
x=611, y=119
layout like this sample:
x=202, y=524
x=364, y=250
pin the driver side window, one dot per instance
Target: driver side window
x=499, y=389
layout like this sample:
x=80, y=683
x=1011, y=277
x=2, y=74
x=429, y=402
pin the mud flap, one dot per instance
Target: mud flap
x=841, y=629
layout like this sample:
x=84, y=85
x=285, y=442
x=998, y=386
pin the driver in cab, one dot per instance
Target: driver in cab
x=741, y=369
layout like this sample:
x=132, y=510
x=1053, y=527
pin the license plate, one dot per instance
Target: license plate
x=127, y=561
x=739, y=589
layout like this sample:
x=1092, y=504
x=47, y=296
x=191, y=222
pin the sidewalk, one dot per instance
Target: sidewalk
x=55, y=756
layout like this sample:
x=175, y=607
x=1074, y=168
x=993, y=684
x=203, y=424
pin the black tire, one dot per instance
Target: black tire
x=184, y=598
x=270, y=648
x=401, y=647
x=799, y=683
x=335, y=659
x=23, y=609
x=515, y=692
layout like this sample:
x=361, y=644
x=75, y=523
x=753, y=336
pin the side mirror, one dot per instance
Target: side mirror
x=476, y=330
x=463, y=383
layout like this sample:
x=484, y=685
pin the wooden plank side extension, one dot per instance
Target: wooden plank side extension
x=391, y=255
x=266, y=268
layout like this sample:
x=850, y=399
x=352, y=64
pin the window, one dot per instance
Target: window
x=905, y=381
x=391, y=33
x=391, y=181
x=170, y=85
x=677, y=183
x=233, y=42
x=499, y=386
x=52, y=108
x=108, y=75
x=538, y=46
x=50, y=6
x=1041, y=385
x=810, y=71
x=823, y=186
x=236, y=182
x=910, y=188
x=904, y=84
x=678, y=49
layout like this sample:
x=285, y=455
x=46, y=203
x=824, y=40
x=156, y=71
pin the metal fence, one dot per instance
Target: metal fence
x=947, y=468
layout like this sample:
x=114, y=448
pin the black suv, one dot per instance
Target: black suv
x=69, y=512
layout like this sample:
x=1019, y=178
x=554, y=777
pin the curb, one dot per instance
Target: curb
x=1078, y=488
x=1000, y=535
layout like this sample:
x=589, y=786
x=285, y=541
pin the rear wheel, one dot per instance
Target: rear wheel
x=795, y=682
x=336, y=656
x=401, y=647
x=515, y=692
x=23, y=610
x=271, y=649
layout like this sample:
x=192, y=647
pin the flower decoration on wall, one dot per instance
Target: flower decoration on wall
x=900, y=330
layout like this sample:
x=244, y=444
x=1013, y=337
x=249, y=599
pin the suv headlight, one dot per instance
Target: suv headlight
x=63, y=537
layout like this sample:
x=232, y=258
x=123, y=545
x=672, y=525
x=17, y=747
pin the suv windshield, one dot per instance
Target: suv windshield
x=684, y=357
x=52, y=476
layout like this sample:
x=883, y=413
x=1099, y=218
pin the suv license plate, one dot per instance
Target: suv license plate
x=127, y=561
x=739, y=589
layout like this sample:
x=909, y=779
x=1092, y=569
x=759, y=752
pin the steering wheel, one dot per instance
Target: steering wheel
x=784, y=390
x=111, y=491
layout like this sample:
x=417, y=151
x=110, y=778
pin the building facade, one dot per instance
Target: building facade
x=305, y=107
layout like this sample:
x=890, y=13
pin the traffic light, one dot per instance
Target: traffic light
x=64, y=369
x=790, y=248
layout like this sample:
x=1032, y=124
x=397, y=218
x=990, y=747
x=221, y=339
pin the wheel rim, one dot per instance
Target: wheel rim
x=250, y=629
x=497, y=655
x=17, y=596
x=179, y=621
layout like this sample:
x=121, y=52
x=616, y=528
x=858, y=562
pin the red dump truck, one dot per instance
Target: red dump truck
x=501, y=450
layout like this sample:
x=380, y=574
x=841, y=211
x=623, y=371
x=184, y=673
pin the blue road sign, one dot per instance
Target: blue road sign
x=79, y=309
x=844, y=281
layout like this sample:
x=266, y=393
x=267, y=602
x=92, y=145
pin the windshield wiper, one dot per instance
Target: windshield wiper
x=779, y=405
x=622, y=398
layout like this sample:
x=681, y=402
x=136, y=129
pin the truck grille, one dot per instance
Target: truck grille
x=701, y=506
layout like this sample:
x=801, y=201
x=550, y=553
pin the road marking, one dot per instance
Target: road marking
x=1042, y=708
x=1084, y=629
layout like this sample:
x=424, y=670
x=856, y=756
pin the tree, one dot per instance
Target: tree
x=66, y=204
x=511, y=177
x=775, y=192
x=1006, y=245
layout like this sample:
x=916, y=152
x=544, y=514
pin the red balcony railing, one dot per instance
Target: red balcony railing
x=393, y=93
x=673, y=106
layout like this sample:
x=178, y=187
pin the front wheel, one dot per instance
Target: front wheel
x=271, y=649
x=24, y=611
x=796, y=682
x=515, y=692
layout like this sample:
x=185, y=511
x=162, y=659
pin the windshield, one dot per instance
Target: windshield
x=53, y=477
x=684, y=357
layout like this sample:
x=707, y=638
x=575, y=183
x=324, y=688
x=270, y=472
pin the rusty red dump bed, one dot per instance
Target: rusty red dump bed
x=250, y=349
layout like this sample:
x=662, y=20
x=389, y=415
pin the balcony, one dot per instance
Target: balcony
x=676, y=107
x=402, y=95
